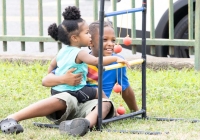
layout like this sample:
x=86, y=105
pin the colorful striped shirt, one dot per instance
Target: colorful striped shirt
x=92, y=76
x=109, y=78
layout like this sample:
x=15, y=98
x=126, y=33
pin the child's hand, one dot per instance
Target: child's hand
x=120, y=60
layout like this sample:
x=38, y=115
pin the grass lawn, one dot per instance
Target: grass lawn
x=170, y=93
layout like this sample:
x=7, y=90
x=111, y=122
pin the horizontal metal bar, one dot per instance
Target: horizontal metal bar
x=123, y=116
x=136, y=132
x=27, y=38
x=170, y=119
x=177, y=119
x=47, y=125
x=119, y=65
x=135, y=41
x=132, y=10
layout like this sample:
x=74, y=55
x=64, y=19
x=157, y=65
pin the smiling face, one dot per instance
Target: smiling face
x=108, y=42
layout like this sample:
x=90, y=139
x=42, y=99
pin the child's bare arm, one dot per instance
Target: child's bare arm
x=83, y=56
x=121, y=60
x=52, y=65
x=68, y=78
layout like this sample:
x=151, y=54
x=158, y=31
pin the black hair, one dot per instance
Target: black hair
x=68, y=27
x=94, y=27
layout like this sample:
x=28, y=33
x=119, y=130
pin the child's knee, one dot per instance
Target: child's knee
x=96, y=97
x=106, y=106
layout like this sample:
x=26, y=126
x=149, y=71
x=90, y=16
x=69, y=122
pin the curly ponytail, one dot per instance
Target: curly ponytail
x=53, y=31
x=71, y=13
x=68, y=27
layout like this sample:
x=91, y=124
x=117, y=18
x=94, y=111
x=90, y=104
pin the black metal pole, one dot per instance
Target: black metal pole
x=176, y=119
x=170, y=119
x=144, y=57
x=138, y=132
x=100, y=65
x=125, y=116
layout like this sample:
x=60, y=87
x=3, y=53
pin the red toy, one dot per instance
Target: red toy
x=117, y=88
x=121, y=110
x=117, y=48
x=127, y=40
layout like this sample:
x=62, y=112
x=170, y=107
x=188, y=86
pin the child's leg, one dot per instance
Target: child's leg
x=39, y=109
x=92, y=116
x=97, y=95
x=129, y=97
x=103, y=95
x=89, y=110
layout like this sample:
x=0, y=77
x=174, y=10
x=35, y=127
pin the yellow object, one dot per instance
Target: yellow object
x=120, y=65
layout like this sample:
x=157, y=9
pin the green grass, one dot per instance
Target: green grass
x=170, y=93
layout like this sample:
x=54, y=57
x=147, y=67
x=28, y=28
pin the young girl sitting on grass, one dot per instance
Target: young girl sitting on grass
x=73, y=32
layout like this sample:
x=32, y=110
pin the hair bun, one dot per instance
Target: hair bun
x=71, y=13
x=53, y=31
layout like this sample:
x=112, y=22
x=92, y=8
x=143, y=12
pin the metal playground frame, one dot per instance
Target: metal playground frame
x=142, y=61
x=138, y=61
x=100, y=66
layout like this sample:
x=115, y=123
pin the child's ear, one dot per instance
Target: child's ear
x=74, y=38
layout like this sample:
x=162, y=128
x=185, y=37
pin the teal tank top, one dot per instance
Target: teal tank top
x=66, y=60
